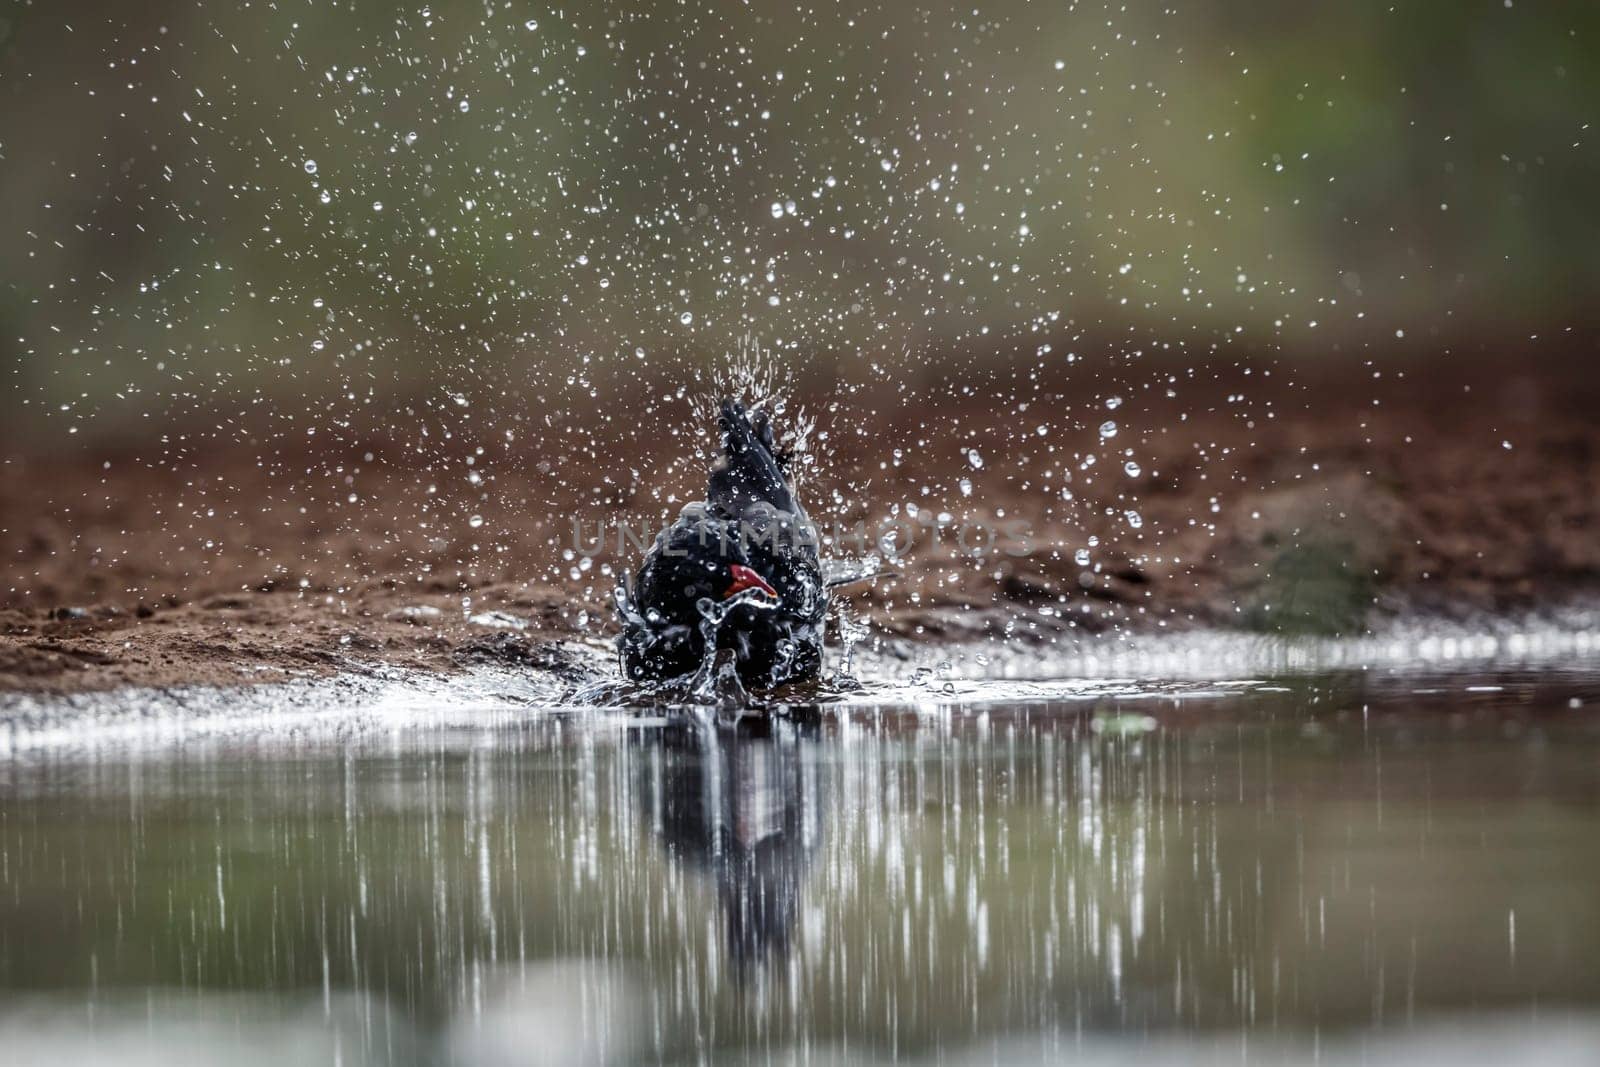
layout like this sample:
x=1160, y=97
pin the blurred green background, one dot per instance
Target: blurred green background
x=304, y=205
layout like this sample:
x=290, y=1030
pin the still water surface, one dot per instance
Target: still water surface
x=1342, y=868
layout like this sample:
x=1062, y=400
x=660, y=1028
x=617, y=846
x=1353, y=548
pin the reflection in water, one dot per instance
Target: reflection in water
x=1271, y=868
x=742, y=808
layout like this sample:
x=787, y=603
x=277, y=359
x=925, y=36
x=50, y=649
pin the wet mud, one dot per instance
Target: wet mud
x=1270, y=500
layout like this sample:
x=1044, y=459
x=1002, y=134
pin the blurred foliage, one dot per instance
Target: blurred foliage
x=344, y=201
x=1313, y=589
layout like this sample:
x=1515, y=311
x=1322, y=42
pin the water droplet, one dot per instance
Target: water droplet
x=311, y=166
x=377, y=205
x=465, y=106
x=475, y=521
x=1108, y=429
x=974, y=458
x=686, y=318
x=531, y=25
x=1132, y=469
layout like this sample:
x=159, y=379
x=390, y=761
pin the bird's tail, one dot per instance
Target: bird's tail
x=751, y=467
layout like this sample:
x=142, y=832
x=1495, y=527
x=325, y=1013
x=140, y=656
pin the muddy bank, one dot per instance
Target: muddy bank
x=1192, y=681
x=1251, y=497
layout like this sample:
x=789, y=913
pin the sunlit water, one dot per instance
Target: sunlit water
x=1360, y=866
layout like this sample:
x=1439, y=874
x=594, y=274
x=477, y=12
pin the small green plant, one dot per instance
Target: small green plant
x=1313, y=589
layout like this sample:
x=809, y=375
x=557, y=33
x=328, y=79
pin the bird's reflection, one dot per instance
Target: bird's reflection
x=742, y=808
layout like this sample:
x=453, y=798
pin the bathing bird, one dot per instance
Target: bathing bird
x=737, y=576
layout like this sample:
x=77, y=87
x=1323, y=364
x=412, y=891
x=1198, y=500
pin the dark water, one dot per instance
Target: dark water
x=1346, y=868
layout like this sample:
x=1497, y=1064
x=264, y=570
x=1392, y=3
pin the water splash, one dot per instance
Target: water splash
x=751, y=371
x=716, y=683
x=851, y=634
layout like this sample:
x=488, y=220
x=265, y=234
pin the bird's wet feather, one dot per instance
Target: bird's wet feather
x=737, y=575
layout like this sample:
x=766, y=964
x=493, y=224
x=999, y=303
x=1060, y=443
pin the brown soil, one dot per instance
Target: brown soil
x=1270, y=498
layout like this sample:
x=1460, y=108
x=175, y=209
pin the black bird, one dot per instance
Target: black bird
x=738, y=573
